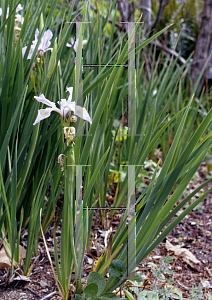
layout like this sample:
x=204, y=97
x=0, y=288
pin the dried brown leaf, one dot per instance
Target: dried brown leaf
x=186, y=255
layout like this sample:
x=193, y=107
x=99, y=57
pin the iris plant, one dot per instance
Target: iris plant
x=44, y=44
x=66, y=107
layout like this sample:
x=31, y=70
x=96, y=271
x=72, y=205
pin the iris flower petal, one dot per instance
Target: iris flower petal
x=19, y=7
x=64, y=107
x=82, y=113
x=44, y=44
x=43, y=99
x=24, y=50
x=70, y=103
x=43, y=114
x=19, y=19
x=70, y=90
x=45, y=41
x=74, y=44
x=36, y=35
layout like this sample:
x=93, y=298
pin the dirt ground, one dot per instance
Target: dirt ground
x=194, y=233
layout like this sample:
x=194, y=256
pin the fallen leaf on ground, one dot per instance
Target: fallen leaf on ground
x=206, y=284
x=21, y=278
x=4, y=260
x=187, y=256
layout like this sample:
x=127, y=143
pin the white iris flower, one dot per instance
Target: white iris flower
x=75, y=44
x=18, y=8
x=18, y=17
x=66, y=107
x=44, y=44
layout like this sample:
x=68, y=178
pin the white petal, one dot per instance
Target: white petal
x=51, y=49
x=42, y=99
x=24, y=50
x=42, y=114
x=58, y=111
x=69, y=101
x=70, y=90
x=84, y=42
x=66, y=107
x=45, y=40
x=7, y=12
x=72, y=106
x=36, y=34
x=19, y=19
x=68, y=45
x=82, y=113
x=76, y=45
x=19, y=7
x=31, y=51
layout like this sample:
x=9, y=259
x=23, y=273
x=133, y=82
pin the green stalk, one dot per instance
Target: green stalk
x=71, y=175
x=67, y=225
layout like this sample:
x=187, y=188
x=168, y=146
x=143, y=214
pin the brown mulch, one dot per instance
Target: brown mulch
x=194, y=233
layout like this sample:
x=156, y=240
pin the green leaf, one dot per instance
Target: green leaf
x=90, y=291
x=128, y=294
x=95, y=277
x=116, y=268
x=78, y=297
x=150, y=295
x=107, y=296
